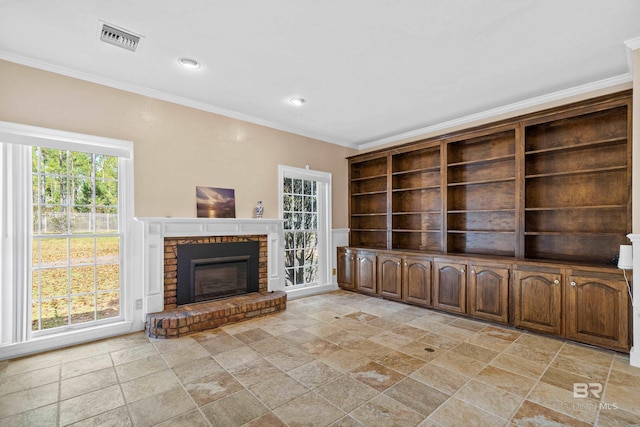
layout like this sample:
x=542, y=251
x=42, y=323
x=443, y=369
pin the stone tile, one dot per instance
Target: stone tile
x=82, y=351
x=115, y=417
x=438, y=341
x=345, y=360
x=289, y=358
x=538, y=341
x=346, y=393
x=622, y=365
x=44, y=416
x=90, y=404
x=234, y=410
x=268, y=346
x=368, y=348
x=33, y=363
x=185, y=354
x=191, y=419
x=440, y=378
x=469, y=325
x=361, y=316
x=455, y=413
x=347, y=421
x=617, y=417
x=475, y=352
x=278, y=390
x=140, y=368
x=409, y=331
x=209, y=334
x=489, y=342
x=562, y=379
x=417, y=396
x=531, y=414
x=384, y=411
x=125, y=341
x=580, y=367
x=208, y=389
x=297, y=337
x=493, y=400
x=422, y=351
x=458, y=363
x=254, y=372
x=267, y=420
x=621, y=397
x=401, y=362
x=505, y=380
x=160, y=407
x=318, y=347
x=518, y=365
x=237, y=357
x=84, y=366
x=196, y=369
x=455, y=332
x=220, y=344
x=376, y=376
x=308, y=410
x=530, y=353
x=622, y=379
x=26, y=400
x=133, y=353
x=562, y=400
x=391, y=339
x=174, y=344
x=344, y=339
x=387, y=322
x=314, y=374
x=253, y=335
x=143, y=387
x=86, y=383
x=587, y=354
x=504, y=334
x=30, y=379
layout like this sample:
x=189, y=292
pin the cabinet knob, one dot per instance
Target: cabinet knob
x=462, y=270
x=555, y=282
x=473, y=272
x=573, y=283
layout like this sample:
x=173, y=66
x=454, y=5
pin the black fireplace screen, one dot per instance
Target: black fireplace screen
x=212, y=271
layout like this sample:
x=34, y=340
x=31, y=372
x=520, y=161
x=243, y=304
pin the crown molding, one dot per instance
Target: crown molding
x=495, y=112
x=163, y=96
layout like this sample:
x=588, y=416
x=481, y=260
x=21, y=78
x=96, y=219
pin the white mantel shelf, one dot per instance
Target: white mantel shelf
x=151, y=231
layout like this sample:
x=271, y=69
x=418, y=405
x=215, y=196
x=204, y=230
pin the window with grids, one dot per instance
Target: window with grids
x=300, y=212
x=76, y=239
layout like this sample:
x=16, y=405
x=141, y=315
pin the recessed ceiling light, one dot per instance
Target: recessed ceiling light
x=189, y=63
x=297, y=101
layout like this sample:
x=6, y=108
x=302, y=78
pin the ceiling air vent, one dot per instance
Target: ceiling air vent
x=118, y=37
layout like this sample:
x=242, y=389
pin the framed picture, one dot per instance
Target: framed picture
x=215, y=202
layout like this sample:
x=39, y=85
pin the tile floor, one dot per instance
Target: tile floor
x=338, y=359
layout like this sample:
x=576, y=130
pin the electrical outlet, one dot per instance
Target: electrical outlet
x=334, y=271
x=139, y=304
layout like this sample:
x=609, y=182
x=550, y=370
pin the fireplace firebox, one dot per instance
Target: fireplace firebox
x=216, y=270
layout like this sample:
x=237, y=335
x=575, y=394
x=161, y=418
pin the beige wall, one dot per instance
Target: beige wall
x=176, y=148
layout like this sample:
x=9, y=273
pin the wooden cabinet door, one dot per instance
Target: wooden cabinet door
x=346, y=268
x=488, y=292
x=537, y=301
x=597, y=309
x=366, y=272
x=390, y=276
x=416, y=284
x=449, y=286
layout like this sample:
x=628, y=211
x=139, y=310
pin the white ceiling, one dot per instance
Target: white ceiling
x=371, y=71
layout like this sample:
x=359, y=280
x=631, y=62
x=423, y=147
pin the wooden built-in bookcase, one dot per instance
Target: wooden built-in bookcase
x=551, y=185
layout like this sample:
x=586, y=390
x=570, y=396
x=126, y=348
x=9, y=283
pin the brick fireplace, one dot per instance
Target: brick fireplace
x=162, y=237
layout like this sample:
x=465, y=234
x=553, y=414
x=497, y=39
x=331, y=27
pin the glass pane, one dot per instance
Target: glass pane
x=107, y=250
x=53, y=252
x=54, y=282
x=297, y=203
x=55, y=190
x=55, y=313
x=108, y=305
x=82, y=191
x=289, y=277
x=81, y=220
x=288, y=221
x=308, y=187
x=311, y=273
x=81, y=250
x=299, y=275
x=297, y=186
x=80, y=164
x=82, y=279
x=288, y=185
x=82, y=309
x=108, y=277
x=54, y=220
x=106, y=192
x=35, y=315
x=106, y=220
x=297, y=221
x=299, y=257
x=287, y=203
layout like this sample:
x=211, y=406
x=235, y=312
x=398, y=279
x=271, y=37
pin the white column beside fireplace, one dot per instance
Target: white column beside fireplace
x=150, y=233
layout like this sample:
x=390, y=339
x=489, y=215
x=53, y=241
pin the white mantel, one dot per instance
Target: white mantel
x=150, y=233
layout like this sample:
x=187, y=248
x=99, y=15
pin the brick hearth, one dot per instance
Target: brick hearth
x=175, y=321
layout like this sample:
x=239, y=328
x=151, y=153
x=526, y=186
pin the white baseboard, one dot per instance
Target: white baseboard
x=310, y=290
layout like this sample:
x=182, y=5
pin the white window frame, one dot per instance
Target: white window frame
x=324, y=180
x=16, y=337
